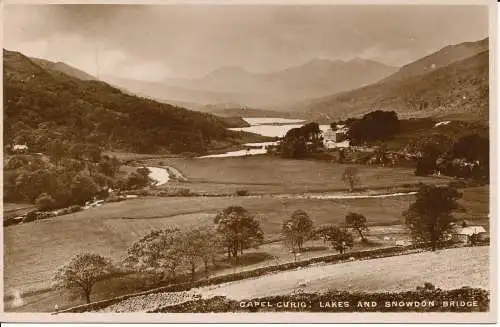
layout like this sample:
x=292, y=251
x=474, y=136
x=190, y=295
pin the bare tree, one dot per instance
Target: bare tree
x=351, y=177
x=297, y=230
x=357, y=222
x=83, y=271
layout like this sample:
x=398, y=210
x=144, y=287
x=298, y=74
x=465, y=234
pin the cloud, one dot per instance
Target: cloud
x=147, y=42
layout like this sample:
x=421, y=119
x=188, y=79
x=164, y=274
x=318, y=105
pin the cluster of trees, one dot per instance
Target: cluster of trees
x=301, y=142
x=72, y=178
x=299, y=228
x=377, y=125
x=467, y=157
x=165, y=251
x=41, y=107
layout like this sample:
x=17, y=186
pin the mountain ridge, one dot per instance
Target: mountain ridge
x=459, y=89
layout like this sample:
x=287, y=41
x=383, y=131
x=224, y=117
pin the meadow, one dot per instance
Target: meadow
x=267, y=174
x=34, y=250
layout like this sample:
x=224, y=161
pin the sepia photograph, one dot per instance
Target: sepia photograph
x=251, y=159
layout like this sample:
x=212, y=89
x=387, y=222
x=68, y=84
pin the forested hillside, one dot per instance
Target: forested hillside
x=42, y=106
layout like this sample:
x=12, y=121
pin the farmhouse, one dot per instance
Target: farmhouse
x=19, y=148
x=463, y=234
x=336, y=138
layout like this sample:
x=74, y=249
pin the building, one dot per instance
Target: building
x=463, y=234
x=335, y=138
x=19, y=148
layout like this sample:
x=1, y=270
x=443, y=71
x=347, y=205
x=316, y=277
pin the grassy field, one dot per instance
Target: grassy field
x=33, y=250
x=266, y=174
x=446, y=269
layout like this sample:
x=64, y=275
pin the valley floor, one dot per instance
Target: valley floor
x=33, y=251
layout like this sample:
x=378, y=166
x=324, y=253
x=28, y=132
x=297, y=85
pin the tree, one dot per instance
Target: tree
x=351, y=177
x=200, y=244
x=109, y=166
x=296, y=230
x=339, y=238
x=45, y=202
x=430, y=217
x=57, y=150
x=83, y=188
x=475, y=150
x=139, y=178
x=301, y=142
x=158, y=251
x=427, y=162
x=357, y=222
x=238, y=229
x=83, y=271
x=374, y=126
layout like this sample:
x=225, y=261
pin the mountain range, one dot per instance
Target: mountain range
x=450, y=83
x=232, y=84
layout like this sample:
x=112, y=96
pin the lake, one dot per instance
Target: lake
x=159, y=175
x=266, y=126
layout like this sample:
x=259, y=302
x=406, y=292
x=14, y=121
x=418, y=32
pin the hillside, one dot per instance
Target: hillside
x=41, y=106
x=441, y=58
x=458, y=90
x=63, y=68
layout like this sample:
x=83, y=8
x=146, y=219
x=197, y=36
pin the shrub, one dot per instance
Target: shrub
x=45, y=202
x=242, y=192
x=30, y=216
x=183, y=192
x=75, y=208
x=115, y=199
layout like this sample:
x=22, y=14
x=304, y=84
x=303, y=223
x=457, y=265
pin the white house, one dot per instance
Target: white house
x=336, y=138
x=19, y=148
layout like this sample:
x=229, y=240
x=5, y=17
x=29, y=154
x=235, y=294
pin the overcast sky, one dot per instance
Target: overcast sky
x=155, y=42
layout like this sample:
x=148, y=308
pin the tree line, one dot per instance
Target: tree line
x=467, y=157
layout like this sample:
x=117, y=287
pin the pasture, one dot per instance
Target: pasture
x=267, y=174
x=34, y=250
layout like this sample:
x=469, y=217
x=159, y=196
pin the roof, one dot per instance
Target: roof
x=471, y=230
